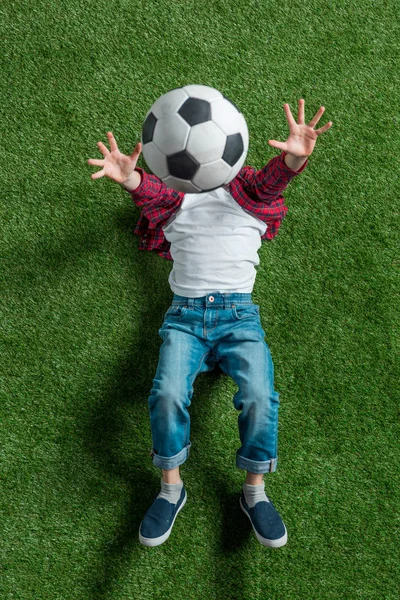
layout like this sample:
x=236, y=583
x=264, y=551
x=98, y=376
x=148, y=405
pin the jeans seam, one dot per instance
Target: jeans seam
x=205, y=330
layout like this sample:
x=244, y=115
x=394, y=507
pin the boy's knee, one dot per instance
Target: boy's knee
x=170, y=396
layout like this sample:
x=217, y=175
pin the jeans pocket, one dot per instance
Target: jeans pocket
x=176, y=312
x=240, y=312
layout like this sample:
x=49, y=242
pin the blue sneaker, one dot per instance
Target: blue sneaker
x=267, y=523
x=158, y=521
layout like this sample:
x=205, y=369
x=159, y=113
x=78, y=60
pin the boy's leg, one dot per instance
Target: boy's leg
x=171, y=475
x=254, y=478
x=182, y=357
x=248, y=361
x=245, y=356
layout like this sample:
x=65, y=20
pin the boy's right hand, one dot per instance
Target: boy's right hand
x=116, y=166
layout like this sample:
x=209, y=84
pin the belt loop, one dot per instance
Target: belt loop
x=191, y=302
x=226, y=300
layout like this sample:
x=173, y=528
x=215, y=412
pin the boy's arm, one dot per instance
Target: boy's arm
x=133, y=182
x=270, y=181
x=267, y=184
x=149, y=191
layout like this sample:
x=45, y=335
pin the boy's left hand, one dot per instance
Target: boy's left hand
x=302, y=137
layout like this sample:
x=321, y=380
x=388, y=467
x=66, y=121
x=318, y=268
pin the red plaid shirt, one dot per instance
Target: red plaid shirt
x=258, y=192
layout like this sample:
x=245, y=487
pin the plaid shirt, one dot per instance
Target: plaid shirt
x=257, y=192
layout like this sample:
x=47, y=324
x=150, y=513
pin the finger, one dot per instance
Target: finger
x=289, y=115
x=324, y=128
x=137, y=150
x=105, y=151
x=95, y=162
x=276, y=144
x=98, y=174
x=300, y=115
x=113, y=143
x=317, y=117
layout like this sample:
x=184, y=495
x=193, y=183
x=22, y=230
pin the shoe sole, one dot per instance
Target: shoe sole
x=163, y=538
x=265, y=541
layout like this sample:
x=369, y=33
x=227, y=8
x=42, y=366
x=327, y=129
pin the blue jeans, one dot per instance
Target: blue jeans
x=197, y=334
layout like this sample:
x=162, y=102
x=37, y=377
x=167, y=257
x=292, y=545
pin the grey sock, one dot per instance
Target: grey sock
x=254, y=494
x=170, y=491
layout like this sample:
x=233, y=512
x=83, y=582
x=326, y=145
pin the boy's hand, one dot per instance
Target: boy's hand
x=302, y=137
x=116, y=166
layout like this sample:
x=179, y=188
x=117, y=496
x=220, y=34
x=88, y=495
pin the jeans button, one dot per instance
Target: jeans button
x=211, y=298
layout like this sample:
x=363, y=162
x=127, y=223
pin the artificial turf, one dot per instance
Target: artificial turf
x=81, y=305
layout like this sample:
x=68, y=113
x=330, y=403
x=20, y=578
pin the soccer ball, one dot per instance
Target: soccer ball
x=194, y=139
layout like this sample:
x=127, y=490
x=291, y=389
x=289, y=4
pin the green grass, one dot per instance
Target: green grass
x=81, y=306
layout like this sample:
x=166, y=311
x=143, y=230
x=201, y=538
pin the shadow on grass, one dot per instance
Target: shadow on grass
x=122, y=411
x=128, y=392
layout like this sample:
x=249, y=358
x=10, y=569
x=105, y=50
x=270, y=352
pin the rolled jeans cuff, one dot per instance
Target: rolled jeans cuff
x=255, y=466
x=170, y=462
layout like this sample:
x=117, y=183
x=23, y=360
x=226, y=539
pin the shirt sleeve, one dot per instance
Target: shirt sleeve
x=152, y=192
x=268, y=183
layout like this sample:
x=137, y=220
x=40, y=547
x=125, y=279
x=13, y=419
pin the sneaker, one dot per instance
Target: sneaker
x=267, y=523
x=158, y=521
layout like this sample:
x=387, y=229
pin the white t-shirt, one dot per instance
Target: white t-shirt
x=214, y=245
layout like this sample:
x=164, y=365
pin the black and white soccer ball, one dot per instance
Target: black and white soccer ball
x=194, y=139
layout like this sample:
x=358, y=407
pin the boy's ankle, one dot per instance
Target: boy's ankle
x=175, y=480
x=171, y=476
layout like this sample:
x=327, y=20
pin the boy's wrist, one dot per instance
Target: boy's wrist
x=294, y=162
x=133, y=181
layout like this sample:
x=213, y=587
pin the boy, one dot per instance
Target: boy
x=213, y=239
